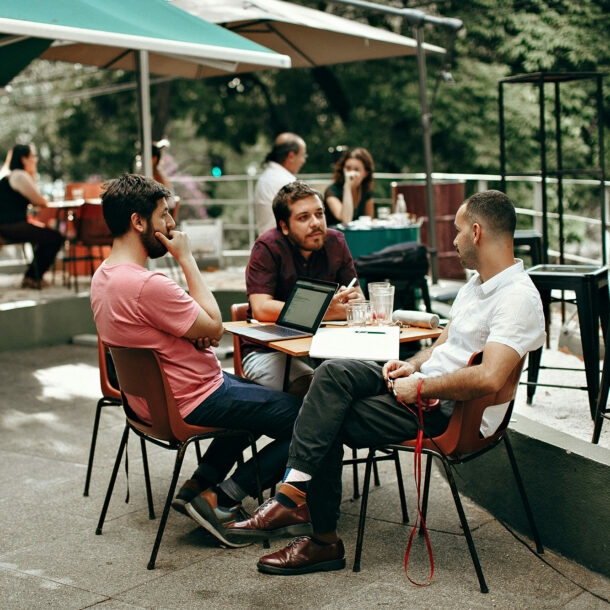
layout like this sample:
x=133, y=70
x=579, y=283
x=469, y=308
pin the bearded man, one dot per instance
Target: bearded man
x=135, y=307
x=300, y=246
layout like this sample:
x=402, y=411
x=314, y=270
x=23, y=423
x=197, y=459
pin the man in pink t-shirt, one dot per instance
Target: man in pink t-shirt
x=135, y=307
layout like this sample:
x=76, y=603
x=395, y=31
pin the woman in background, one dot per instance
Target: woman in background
x=19, y=189
x=351, y=194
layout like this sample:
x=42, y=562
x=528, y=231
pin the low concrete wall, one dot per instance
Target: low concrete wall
x=29, y=324
x=26, y=324
x=567, y=481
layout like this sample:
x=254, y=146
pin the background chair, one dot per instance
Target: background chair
x=92, y=242
x=239, y=312
x=461, y=442
x=141, y=375
x=4, y=241
x=111, y=397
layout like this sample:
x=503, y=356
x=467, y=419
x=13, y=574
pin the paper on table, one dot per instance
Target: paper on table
x=379, y=343
x=416, y=318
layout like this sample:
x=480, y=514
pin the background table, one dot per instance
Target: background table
x=365, y=241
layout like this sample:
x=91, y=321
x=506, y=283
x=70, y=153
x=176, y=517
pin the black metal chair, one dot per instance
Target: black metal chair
x=589, y=283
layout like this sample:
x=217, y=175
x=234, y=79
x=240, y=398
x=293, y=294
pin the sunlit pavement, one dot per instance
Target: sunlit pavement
x=51, y=557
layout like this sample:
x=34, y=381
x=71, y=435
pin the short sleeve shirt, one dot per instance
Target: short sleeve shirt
x=135, y=307
x=505, y=309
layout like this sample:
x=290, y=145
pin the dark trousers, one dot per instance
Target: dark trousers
x=46, y=243
x=347, y=403
x=244, y=405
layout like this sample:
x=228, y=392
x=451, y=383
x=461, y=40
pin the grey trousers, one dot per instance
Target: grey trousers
x=347, y=403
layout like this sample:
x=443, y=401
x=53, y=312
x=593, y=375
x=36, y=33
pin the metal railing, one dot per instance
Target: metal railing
x=232, y=197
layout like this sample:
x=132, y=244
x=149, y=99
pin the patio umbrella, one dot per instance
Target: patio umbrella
x=136, y=32
x=308, y=36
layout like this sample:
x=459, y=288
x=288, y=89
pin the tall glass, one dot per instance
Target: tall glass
x=382, y=302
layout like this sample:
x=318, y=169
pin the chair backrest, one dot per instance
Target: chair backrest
x=84, y=190
x=108, y=389
x=462, y=436
x=141, y=375
x=239, y=312
x=91, y=228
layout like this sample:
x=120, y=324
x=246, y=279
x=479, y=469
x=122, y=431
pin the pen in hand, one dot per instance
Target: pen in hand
x=350, y=285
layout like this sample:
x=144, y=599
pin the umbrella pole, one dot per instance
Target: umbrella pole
x=426, y=119
x=143, y=77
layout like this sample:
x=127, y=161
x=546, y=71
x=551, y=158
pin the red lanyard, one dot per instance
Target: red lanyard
x=422, y=404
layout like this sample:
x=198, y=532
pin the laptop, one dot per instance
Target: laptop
x=301, y=315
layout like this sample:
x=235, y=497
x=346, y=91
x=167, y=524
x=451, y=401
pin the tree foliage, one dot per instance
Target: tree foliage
x=373, y=104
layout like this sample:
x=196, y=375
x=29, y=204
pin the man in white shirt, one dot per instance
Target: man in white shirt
x=284, y=161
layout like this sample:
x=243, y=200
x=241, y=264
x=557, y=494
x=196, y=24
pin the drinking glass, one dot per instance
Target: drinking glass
x=356, y=313
x=382, y=302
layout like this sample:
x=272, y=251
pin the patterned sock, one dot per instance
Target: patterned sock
x=290, y=496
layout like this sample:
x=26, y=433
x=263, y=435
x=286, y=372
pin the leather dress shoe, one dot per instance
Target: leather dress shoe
x=271, y=520
x=303, y=556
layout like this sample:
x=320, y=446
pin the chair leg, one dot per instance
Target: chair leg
x=363, y=506
x=151, y=508
x=602, y=399
x=168, y=503
x=465, y=527
x=113, y=476
x=426, y=494
x=401, y=488
x=524, y=499
x=376, y=474
x=259, y=488
x=356, y=494
x=96, y=424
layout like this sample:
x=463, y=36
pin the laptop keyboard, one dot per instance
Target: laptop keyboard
x=280, y=331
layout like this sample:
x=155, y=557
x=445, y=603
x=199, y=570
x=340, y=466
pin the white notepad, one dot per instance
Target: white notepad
x=378, y=343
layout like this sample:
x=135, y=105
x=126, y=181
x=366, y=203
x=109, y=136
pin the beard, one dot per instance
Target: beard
x=154, y=248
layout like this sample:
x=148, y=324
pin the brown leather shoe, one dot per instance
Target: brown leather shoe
x=302, y=556
x=271, y=520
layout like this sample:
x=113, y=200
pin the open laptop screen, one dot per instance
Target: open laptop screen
x=307, y=304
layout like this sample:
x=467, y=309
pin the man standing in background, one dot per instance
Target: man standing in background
x=285, y=159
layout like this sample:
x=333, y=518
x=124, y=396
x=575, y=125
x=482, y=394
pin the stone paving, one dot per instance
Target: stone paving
x=51, y=558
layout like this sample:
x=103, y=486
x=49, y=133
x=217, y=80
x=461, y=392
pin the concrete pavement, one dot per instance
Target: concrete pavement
x=51, y=558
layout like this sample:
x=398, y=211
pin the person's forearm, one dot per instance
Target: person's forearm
x=347, y=211
x=198, y=289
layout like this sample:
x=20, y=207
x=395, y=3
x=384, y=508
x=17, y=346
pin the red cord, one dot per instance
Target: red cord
x=417, y=473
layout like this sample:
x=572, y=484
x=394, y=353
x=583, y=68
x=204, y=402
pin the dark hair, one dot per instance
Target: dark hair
x=19, y=151
x=362, y=154
x=128, y=194
x=493, y=208
x=284, y=144
x=293, y=191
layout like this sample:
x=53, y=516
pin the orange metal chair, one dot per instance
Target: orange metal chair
x=111, y=397
x=461, y=442
x=141, y=375
x=93, y=236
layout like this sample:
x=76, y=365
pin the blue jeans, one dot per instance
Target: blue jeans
x=244, y=405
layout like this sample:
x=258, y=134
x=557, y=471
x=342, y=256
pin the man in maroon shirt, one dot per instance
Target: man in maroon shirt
x=299, y=246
